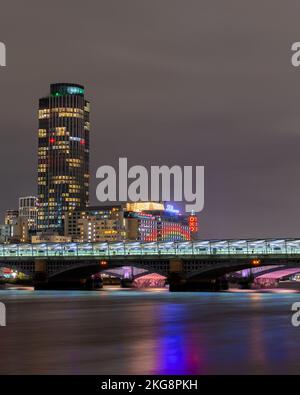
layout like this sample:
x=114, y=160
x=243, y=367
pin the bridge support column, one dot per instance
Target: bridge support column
x=127, y=280
x=178, y=281
x=40, y=274
x=176, y=278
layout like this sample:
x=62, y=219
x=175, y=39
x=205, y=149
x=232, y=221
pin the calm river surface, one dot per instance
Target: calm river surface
x=148, y=332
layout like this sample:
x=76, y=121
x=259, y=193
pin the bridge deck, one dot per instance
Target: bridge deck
x=267, y=247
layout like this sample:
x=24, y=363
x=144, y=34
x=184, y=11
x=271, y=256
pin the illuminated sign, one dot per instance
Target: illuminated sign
x=193, y=223
x=69, y=90
x=131, y=214
x=171, y=209
x=72, y=90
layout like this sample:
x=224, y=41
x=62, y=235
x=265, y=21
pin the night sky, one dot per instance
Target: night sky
x=170, y=82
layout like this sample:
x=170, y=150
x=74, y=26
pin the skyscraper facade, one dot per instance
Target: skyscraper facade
x=63, y=155
x=28, y=210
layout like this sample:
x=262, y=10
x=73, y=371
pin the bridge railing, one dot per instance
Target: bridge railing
x=195, y=248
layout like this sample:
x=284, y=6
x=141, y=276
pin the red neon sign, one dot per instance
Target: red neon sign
x=193, y=223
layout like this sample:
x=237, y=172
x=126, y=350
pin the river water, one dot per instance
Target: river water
x=148, y=332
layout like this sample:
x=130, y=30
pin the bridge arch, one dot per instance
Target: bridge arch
x=217, y=270
x=79, y=270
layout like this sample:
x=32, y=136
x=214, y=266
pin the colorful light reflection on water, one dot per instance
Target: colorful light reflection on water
x=146, y=332
x=179, y=352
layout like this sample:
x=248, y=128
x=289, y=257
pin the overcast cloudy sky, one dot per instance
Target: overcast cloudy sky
x=187, y=82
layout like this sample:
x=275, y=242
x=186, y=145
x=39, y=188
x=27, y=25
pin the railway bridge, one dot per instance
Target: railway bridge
x=187, y=265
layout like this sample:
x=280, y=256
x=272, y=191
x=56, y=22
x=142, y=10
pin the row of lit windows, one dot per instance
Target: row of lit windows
x=75, y=200
x=69, y=115
x=62, y=115
x=60, y=182
x=66, y=194
x=54, y=204
x=74, y=162
x=61, y=132
x=74, y=188
x=68, y=178
x=66, y=150
x=60, y=143
x=46, y=111
x=67, y=109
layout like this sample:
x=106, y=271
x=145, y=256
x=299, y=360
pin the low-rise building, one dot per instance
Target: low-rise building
x=157, y=225
x=11, y=216
x=141, y=221
x=50, y=237
x=100, y=223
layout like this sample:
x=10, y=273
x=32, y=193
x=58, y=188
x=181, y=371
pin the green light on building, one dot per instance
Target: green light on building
x=69, y=90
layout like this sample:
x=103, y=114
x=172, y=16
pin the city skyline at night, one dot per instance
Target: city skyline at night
x=61, y=211
x=168, y=95
x=149, y=173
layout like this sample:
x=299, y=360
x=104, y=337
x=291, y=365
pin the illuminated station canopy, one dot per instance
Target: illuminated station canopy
x=268, y=247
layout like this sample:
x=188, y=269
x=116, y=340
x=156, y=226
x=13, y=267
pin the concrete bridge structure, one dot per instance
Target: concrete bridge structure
x=187, y=265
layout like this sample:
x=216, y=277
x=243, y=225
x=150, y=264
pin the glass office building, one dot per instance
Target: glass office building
x=63, y=155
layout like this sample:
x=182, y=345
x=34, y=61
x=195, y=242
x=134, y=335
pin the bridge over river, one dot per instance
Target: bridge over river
x=188, y=262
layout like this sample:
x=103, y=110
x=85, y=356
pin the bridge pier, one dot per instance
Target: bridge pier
x=40, y=277
x=127, y=280
x=176, y=277
x=178, y=281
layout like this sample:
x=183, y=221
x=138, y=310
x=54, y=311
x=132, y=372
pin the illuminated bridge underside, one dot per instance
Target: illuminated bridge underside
x=216, y=257
x=126, y=272
x=279, y=274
